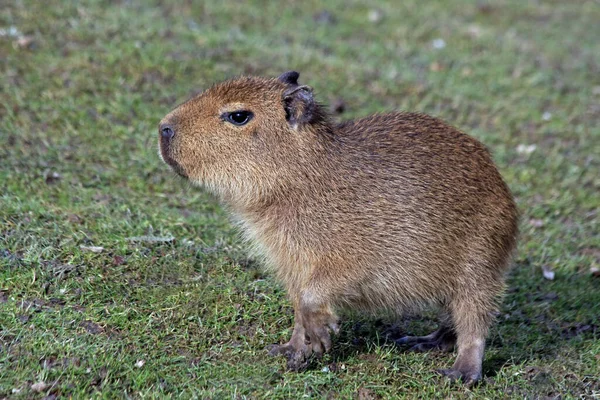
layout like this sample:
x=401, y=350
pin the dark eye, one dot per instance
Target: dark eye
x=239, y=118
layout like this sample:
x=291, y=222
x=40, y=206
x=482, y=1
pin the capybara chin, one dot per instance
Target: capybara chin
x=388, y=212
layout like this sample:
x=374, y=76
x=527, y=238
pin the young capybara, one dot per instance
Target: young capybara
x=389, y=212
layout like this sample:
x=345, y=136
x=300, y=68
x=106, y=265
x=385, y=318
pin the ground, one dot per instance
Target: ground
x=118, y=279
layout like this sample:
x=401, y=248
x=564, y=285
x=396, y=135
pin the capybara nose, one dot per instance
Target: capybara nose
x=166, y=131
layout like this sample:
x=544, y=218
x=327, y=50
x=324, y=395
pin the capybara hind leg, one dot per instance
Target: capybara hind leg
x=472, y=318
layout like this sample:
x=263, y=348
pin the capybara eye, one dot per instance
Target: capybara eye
x=239, y=118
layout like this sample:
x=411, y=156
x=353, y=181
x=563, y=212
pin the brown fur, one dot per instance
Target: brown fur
x=392, y=211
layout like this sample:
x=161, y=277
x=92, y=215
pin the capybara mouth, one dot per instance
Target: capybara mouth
x=175, y=166
x=165, y=149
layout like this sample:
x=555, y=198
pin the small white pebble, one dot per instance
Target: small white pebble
x=93, y=249
x=438, y=43
x=140, y=363
x=536, y=223
x=546, y=116
x=547, y=272
x=375, y=16
x=63, y=291
x=12, y=31
x=325, y=369
x=526, y=148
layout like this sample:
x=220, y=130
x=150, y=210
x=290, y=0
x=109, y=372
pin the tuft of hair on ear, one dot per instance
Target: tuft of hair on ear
x=289, y=78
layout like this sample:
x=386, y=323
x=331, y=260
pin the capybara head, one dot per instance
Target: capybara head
x=233, y=137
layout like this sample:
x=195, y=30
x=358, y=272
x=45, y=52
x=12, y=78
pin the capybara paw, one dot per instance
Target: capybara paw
x=469, y=378
x=319, y=339
x=280, y=349
x=297, y=357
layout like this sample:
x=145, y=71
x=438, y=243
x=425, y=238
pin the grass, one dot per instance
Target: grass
x=83, y=85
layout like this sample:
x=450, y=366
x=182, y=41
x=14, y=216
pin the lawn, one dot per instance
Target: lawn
x=119, y=280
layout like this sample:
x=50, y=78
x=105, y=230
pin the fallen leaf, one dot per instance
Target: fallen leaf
x=39, y=386
x=548, y=273
x=93, y=249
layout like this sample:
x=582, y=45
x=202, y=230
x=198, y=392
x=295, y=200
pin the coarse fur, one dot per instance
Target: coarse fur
x=388, y=212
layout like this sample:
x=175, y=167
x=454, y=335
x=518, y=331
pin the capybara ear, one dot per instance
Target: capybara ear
x=299, y=105
x=289, y=78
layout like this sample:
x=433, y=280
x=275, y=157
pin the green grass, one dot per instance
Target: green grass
x=83, y=86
